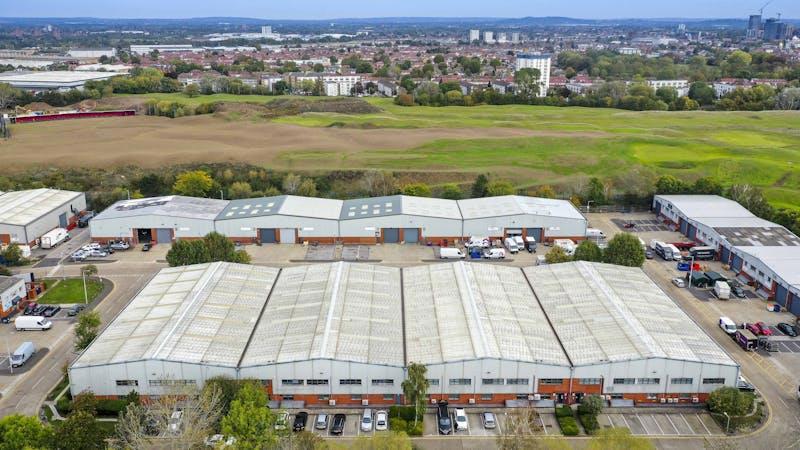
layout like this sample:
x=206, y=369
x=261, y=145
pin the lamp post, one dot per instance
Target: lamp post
x=691, y=272
x=85, y=294
x=728, y=424
x=221, y=195
x=588, y=204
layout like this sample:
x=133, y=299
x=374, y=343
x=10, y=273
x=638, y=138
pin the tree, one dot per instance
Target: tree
x=523, y=432
x=7, y=95
x=667, y=94
x=707, y=186
x=392, y=440
x=291, y=182
x=12, y=254
x=588, y=251
x=702, y=93
x=498, y=188
x=544, y=191
x=624, y=249
x=18, y=432
x=379, y=183
x=730, y=400
x=685, y=104
x=751, y=198
x=191, y=90
x=618, y=439
x=787, y=99
x=307, y=188
x=595, y=191
x=184, y=253
x=557, y=255
x=249, y=419
x=480, y=188
x=195, y=183
x=87, y=328
x=220, y=248
x=89, y=270
x=667, y=184
x=528, y=82
x=415, y=388
x=452, y=191
x=417, y=190
x=80, y=430
x=240, y=189
x=592, y=404
x=151, y=185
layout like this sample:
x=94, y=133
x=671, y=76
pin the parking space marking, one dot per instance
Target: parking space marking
x=687, y=424
x=672, y=423
x=657, y=424
x=611, y=419
x=541, y=419
x=642, y=422
x=703, y=424
x=626, y=422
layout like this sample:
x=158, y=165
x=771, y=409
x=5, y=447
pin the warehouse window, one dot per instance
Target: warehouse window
x=171, y=382
x=350, y=381
x=127, y=382
x=521, y=396
x=433, y=381
x=648, y=381
x=713, y=380
x=590, y=381
x=323, y=398
x=624, y=380
x=317, y=382
x=292, y=382
x=492, y=381
x=383, y=382
x=487, y=396
x=518, y=381
x=681, y=381
x=388, y=396
x=551, y=381
x=460, y=381
x=454, y=397
x=355, y=396
x=287, y=397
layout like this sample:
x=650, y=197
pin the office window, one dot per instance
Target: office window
x=383, y=382
x=590, y=381
x=460, y=381
x=648, y=381
x=624, y=380
x=489, y=381
x=350, y=381
x=388, y=396
x=324, y=397
x=713, y=380
x=518, y=381
x=287, y=397
x=433, y=381
x=487, y=396
x=454, y=396
x=292, y=382
x=355, y=396
x=171, y=382
x=127, y=382
x=551, y=381
x=681, y=381
x=317, y=382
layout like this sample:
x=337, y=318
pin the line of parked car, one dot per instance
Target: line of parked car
x=458, y=421
x=35, y=309
x=95, y=250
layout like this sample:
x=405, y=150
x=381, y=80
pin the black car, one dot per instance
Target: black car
x=39, y=310
x=75, y=310
x=787, y=329
x=443, y=419
x=30, y=309
x=51, y=311
x=737, y=290
x=338, y=424
x=300, y=420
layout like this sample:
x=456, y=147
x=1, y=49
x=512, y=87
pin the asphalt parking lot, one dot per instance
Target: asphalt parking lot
x=690, y=423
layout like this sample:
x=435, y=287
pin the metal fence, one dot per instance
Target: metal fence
x=613, y=209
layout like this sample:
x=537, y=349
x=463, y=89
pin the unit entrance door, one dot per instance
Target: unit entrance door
x=163, y=235
x=288, y=236
x=411, y=235
x=267, y=235
x=391, y=235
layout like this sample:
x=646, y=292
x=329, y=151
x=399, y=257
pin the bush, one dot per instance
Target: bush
x=589, y=422
x=569, y=427
x=404, y=412
x=110, y=407
x=64, y=405
x=730, y=400
x=563, y=411
x=397, y=424
x=415, y=430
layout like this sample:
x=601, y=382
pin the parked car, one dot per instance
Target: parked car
x=787, y=329
x=300, y=420
x=146, y=247
x=462, y=424
x=381, y=421
x=39, y=310
x=322, y=421
x=75, y=310
x=443, y=419
x=679, y=282
x=366, y=420
x=175, y=421
x=282, y=420
x=51, y=311
x=30, y=308
x=649, y=254
x=91, y=246
x=78, y=256
x=753, y=328
x=119, y=245
x=97, y=254
x=765, y=331
x=489, y=421
x=476, y=241
x=737, y=289
x=743, y=385
x=338, y=424
x=494, y=253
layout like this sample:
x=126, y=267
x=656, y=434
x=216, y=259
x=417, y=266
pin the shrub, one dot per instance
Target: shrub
x=64, y=405
x=415, y=430
x=589, y=422
x=569, y=427
x=563, y=411
x=110, y=407
x=404, y=412
x=398, y=424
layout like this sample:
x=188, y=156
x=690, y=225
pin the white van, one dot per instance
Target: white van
x=494, y=253
x=23, y=323
x=511, y=245
x=595, y=233
x=566, y=244
x=727, y=325
x=520, y=242
x=22, y=354
x=451, y=253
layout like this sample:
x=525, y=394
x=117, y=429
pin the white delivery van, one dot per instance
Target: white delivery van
x=450, y=253
x=676, y=252
x=566, y=244
x=541, y=260
x=727, y=325
x=22, y=354
x=595, y=233
x=722, y=290
x=520, y=242
x=478, y=241
x=53, y=238
x=23, y=323
x=494, y=253
x=511, y=245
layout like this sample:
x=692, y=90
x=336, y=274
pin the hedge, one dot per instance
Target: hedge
x=397, y=424
x=569, y=427
x=563, y=411
x=589, y=423
x=404, y=412
x=415, y=431
x=108, y=408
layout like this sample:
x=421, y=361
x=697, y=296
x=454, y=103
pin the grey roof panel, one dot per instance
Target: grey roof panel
x=252, y=207
x=170, y=206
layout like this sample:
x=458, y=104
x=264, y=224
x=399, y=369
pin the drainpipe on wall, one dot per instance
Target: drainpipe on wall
x=569, y=393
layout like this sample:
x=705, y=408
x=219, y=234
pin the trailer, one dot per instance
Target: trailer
x=54, y=237
x=703, y=253
x=747, y=340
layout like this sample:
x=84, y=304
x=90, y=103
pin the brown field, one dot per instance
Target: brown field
x=151, y=142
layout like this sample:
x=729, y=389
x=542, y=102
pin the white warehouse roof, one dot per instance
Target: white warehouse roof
x=707, y=206
x=53, y=79
x=342, y=311
x=400, y=204
x=170, y=206
x=24, y=207
x=203, y=313
x=512, y=205
x=603, y=312
x=287, y=205
x=784, y=261
x=462, y=311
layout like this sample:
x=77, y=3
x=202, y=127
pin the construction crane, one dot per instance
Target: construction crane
x=761, y=10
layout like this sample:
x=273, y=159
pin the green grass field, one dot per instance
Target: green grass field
x=760, y=148
x=69, y=291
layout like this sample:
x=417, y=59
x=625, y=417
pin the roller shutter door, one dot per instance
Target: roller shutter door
x=736, y=265
x=411, y=235
x=62, y=220
x=163, y=235
x=724, y=255
x=781, y=294
x=267, y=236
x=535, y=233
x=692, y=234
x=658, y=208
x=391, y=235
x=684, y=227
x=794, y=304
x=288, y=236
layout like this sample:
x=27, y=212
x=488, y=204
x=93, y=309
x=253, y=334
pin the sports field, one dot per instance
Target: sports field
x=527, y=144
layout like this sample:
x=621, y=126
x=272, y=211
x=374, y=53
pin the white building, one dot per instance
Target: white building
x=540, y=62
x=474, y=35
x=92, y=52
x=488, y=37
x=515, y=39
x=335, y=85
x=165, y=48
x=681, y=86
x=25, y=216
x=502, y=38
x=629, y=51
x=59, y=80
x=12, y=290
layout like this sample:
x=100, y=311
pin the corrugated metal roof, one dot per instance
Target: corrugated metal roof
x=171, y=206
x=510, y=205
x=7, y=283
x=603, y=312
x=784, y=261
x=320, y=208
x=707, y=206
x=400, y=204
x=24, y=207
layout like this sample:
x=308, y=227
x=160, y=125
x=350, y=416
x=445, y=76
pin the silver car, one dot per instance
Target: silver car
x=322, y=421
x=489, y=421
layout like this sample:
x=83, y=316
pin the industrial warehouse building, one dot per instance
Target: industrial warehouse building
x=58, y=80
x=290, y=219
x=344, y=333
x=760, y=252
x=25, y=216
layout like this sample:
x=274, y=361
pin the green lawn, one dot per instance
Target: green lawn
x=69, y=291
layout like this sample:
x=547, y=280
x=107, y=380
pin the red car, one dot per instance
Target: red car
x=764, y=329
x=753, y=328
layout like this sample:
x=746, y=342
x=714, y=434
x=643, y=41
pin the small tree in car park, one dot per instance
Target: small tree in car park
x=557, y=255
x=415, y=388
x=624, y=249
x=87, y=329
x=588, y=251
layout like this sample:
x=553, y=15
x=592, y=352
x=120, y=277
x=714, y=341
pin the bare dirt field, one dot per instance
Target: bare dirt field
x=156, y=141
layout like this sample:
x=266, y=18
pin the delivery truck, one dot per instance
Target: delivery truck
x=722, y=290
x=53, y=237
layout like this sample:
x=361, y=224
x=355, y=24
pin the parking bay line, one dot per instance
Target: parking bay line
x=673, y=424
x=703, y=424
x=657, y=424
x=687, y=424
x=543, y=425
x=642, y=422
x=626, y=423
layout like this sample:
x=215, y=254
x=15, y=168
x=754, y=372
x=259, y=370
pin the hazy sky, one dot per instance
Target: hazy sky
x=328, y=9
